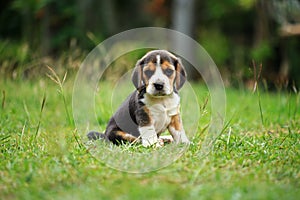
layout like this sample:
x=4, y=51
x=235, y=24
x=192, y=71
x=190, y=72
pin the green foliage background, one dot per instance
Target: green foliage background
x=229, y=30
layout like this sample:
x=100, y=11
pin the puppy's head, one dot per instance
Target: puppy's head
x=160, y=72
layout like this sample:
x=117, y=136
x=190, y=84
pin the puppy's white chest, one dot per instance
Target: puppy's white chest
x=161, y=110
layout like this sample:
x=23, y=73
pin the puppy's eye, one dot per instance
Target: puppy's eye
x=148, y=72
x=169, y=72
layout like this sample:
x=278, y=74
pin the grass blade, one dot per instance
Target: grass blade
x=55, y=78
x=3, y=99
x=4, y=139
x=40, y=116
x=77, y=139
x=257, y=76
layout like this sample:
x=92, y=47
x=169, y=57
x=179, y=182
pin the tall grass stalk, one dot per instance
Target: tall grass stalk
x=228, y=138
x=40, y=116
x=26, y=110
x=257, y=76
x=55, y=78
x=297, y=105
x=77, y=139
x=297, y=93
x=3, y=100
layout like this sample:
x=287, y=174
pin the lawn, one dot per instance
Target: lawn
x=257, y=155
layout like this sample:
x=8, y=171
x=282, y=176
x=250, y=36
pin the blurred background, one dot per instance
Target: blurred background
x=238, y=34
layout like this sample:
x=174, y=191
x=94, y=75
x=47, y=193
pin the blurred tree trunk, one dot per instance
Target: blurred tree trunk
x=97, y=16
x=261, y=23
x=108, y=12
x=262, y=35
x=45, y=32
x=183, y=21
x=279, y=72
x=183, y=16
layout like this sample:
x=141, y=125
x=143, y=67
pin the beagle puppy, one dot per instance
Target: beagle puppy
x=153, y=107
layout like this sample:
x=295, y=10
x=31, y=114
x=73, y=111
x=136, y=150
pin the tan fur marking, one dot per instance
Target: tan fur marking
x=176, y=122
x=165, y=65
x=150, y=66
x=146, y=79
x=126, y=136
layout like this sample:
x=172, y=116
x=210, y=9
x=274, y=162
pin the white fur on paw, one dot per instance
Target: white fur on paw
x=148, y=135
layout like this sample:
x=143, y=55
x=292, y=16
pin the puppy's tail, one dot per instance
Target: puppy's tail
x=93, y=135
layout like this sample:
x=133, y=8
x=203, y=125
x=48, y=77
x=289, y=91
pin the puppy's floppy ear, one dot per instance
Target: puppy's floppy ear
x=137, y=74
x=180, y=74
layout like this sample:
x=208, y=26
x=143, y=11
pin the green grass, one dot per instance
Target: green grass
x=249, y=160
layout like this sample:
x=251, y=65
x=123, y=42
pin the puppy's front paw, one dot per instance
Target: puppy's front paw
x=148, y=135
x=159, y=143
x=149, y=142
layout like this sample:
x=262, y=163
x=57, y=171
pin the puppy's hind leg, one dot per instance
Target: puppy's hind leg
x=118, y=137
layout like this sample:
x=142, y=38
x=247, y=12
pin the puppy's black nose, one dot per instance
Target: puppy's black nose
x=158, y=86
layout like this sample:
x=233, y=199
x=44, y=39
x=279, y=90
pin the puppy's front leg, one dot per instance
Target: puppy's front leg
x=146, y=127
x=176, y=130
x=148, y=135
